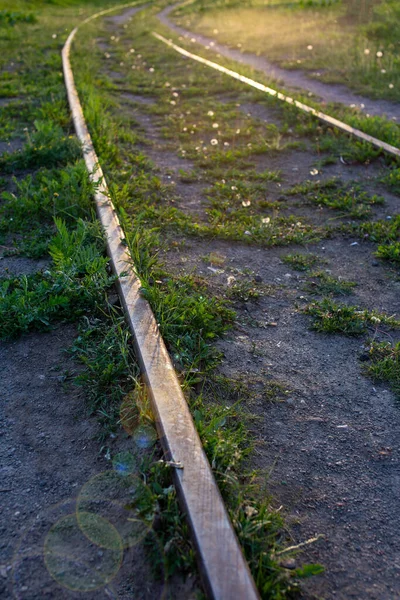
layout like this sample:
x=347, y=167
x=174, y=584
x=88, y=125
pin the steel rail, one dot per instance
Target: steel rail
x=225, y=573
x=300, y=105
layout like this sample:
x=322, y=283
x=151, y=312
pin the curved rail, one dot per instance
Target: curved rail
x=225, y=572
x=300, y=105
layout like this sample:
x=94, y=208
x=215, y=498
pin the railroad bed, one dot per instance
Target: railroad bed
x=253, y=206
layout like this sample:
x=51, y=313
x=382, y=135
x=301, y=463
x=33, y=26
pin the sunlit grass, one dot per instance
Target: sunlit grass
x=343, y=42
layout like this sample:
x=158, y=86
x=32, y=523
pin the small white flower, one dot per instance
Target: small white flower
x=175, y=94
x=173, y=102
x=314, y=172
x=379, y=54
x=246, y=202
x=391, y=86
x=226, y=143
x=266, y=220
x=215, y=125
x=167, y=84
x=210, y=113
x=237, y=131
x=309, y=47
x=367, y=51
x=185, y=129
x=121, y=64
x=214, y=142
x=375, y=320
x=112, y=37
x=383, y=71
x=54, y=36
x=132, y=50
x=107, y=55
x=234, y=188
x=151, y=69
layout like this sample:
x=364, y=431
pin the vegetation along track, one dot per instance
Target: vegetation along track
x=254, y=207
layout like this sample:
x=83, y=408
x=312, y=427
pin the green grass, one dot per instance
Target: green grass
x=348, y=199
x=324, y=284
x=389, y=252
x=301, y=262
x=74, y=284
x=329, y=317
x=341, y=42
x=385, y=365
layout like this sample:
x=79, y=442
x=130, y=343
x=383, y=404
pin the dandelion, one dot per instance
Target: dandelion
x=214, y=142
x=132, y=50
x=185, y=129
x=246, y=202
x=309, y=47
x=379, y=54
x=266, y=220
x=151, y=69
x=215, y=125
x=391, y=86
x=210, y=113
x=175, y=94
x=367, y=51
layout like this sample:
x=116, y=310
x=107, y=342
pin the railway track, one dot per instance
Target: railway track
x=225, y=572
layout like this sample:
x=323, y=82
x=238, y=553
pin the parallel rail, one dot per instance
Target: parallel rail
x=270, y=91
x=226, y=575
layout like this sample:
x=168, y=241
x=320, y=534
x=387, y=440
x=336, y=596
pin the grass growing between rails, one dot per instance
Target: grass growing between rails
x=385, y=359
x=190, y=318
x=330, y=317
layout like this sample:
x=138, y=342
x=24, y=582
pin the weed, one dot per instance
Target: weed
x=350, y=320
x=347, y=199
x=300, y=262
x=243, y=291
x=390, y=252
x=75, y=284
x=324, y=284
x=47, y=147
x=386, y=364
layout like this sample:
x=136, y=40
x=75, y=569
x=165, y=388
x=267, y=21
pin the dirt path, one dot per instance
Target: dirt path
x=49, y=453
x=292, y=79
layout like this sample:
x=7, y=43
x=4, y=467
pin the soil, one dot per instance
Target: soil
x=328, y=446
x=49, y=453
x=294, y=79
